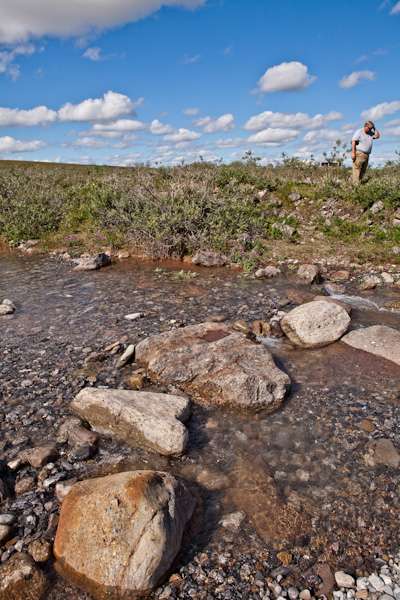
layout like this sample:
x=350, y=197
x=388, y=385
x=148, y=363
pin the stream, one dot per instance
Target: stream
x=314, y=451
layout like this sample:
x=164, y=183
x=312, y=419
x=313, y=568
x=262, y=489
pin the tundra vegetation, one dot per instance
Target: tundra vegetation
x=243, y=209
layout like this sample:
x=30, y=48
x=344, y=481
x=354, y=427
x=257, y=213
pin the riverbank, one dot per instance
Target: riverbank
x=251, y=214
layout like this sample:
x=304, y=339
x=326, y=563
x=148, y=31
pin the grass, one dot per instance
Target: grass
x=242, y=209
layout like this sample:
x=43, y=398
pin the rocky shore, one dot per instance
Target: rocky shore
x=329, y=453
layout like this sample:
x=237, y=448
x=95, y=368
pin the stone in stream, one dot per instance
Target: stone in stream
x=119, y=534
x=208, y=258
x=315, y=324
x=91, y=263
x=379, y=340
x=22, y=579
x=309, y=273
x=386, y=453
x=7, y=307
x=136, y=417
x=216, y=365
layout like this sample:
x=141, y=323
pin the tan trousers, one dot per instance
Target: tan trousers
x=359, y=166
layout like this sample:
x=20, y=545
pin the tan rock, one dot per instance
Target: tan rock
x=339, y=276
x=41, y=550
x=379, y=340
x=41, y=455
x=217, y=365
x=309, y=273
x=136, y=417
x=315, y=324
x=119, y=534
x=386, y=453
x=22, y=579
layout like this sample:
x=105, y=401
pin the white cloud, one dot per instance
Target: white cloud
x=191, y=112
x=188, y=60
x=21, y=20
x=355, y=78
x=110, y=107
x=93, y=54
x=393, y=123
x=274, y=137
x=380, y=110
x=286, y=77
x=122, y=160
x=223, y=123
x=299, y=120
x=396, y=9
x=157, y=128
x=13, y=117
x=95, y=143
x=182, y=135
x=230, y=143
x=8, y=145
x=116, y=128
x=7, y=64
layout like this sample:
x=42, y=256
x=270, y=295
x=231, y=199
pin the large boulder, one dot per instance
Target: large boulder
x=315, y=324
x=379, y=340
x=136, y=417
x=216, y=365
x=119, y=534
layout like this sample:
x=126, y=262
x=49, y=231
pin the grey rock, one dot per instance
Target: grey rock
x=136, y=417
x=315, y=324
x=216, y=365
x=94, y=262
x=294, y=196
x=267, y=272
x=343, y=580
x=208, y=258
x=63, y=488
x=126, y=356
x=386, y=453
x=379, y=340
x=377, y=207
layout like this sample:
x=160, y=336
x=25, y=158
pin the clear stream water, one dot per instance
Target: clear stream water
x=312, y=453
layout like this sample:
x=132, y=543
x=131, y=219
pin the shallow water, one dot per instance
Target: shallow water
x=310, y=458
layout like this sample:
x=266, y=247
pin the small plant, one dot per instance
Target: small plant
x=184, y=275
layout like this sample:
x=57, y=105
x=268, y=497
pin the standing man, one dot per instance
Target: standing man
x=361, y=146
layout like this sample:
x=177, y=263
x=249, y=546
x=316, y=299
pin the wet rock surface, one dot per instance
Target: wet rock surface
x=136, y=417
x=319, y=449
x=315, y=324
x=378, y=339
x=217, y=365
x=119, y=534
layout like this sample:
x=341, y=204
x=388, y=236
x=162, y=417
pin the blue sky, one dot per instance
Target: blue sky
x=126, y=81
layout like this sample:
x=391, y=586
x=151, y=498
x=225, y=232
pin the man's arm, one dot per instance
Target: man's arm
x=353, y=150
x=376, y=135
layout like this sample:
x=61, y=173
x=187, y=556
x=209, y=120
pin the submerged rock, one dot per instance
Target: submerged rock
x=217, y=365
x=119, y=534
x=315, y=324
x=136, y=417
x=379, y=340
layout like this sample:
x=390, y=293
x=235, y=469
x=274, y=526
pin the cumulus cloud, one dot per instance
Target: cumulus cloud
x=157, y=128
x=96, y=143
x=223, y=123
x=355, y=78
x=380, y=110
x=8, y=145
x=115, y=129
x=274, y=137
x=122, y=160
x=21, y=20
x=286, y=77
x=7, y=57
x=396, y=9
x=299, y=120
x=94, y=54
x=182, y=135
x=191, y=112
x=110, y=107
x=13, y=117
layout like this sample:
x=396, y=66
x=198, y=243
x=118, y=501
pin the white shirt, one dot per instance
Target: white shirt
x=364, y=140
